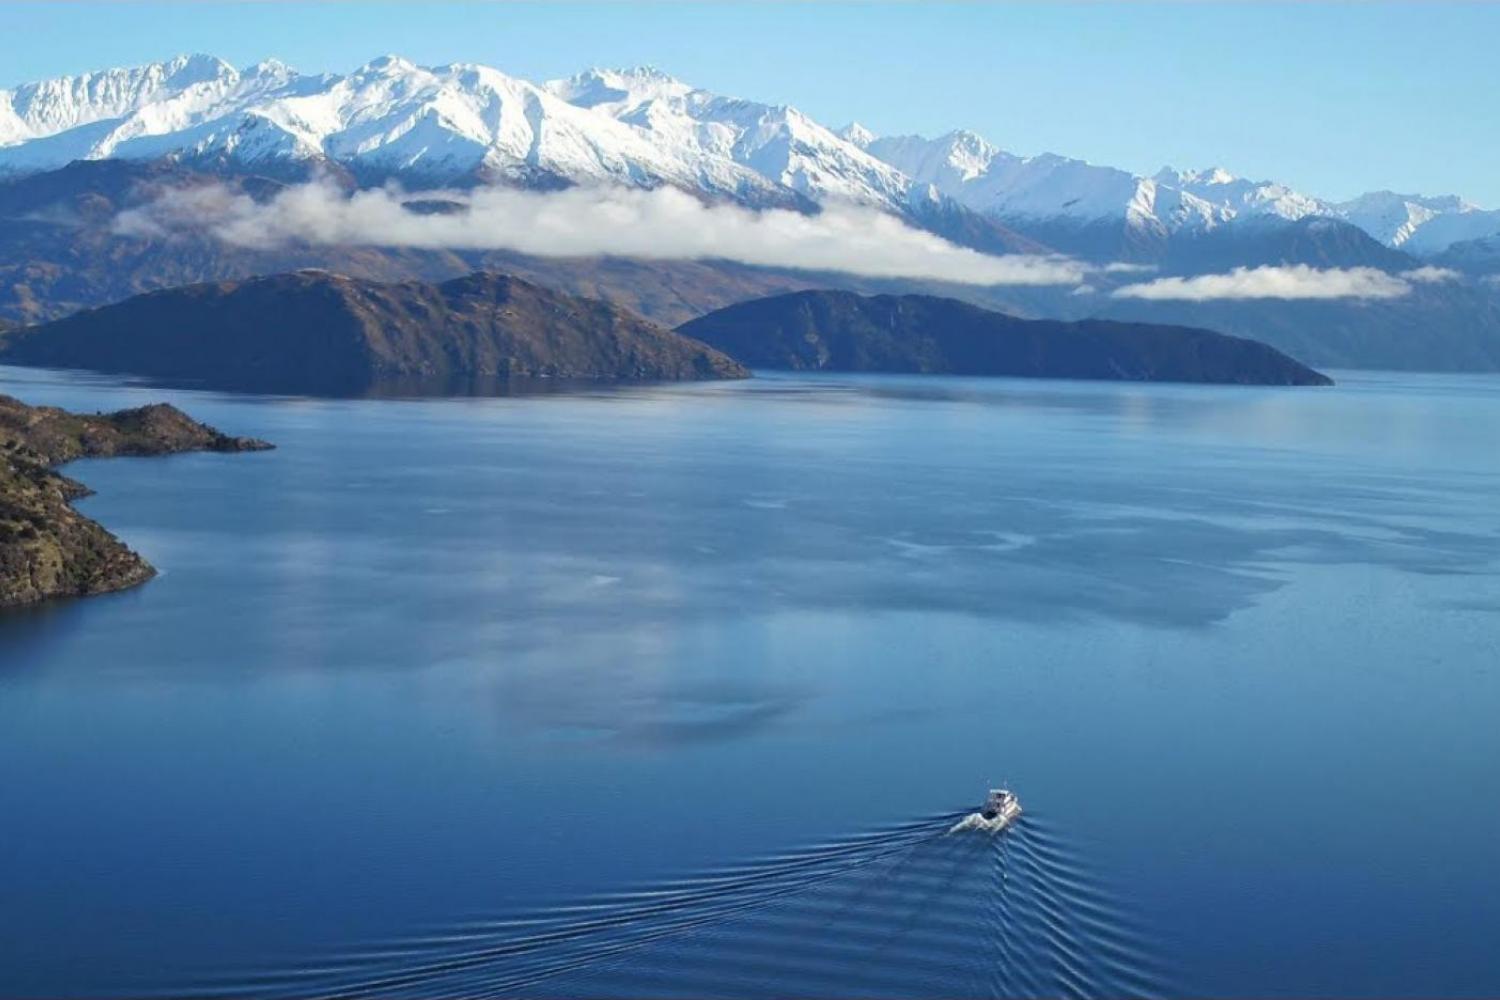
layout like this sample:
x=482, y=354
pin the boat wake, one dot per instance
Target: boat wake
x=908, y=910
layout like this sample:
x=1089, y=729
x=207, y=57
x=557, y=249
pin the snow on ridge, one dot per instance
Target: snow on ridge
x=388, y=115
x=1419, y=223
x=976, y=173
x=48, y=107
x=857, y=134
x=636, y=126
x=983, y=177
x=980, y=175
x=776, y=141
x=631, y=86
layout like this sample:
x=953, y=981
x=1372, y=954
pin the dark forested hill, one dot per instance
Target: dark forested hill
x=315, y=331
x=842, y=331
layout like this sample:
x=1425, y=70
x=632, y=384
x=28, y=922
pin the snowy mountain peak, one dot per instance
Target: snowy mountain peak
x=618, y=91
x=1437, y=203
x=1206, y=176
x=197, y=68
x=1419, y=223
x=969, y=142
x=270, y=70
x=949, y=163
x=641, y=77
x=974, y=172
x=387, y=65
x=857, y=134
x=775, y=141
x=970, y=152
x=45, y=108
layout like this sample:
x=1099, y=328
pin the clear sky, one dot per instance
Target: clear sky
x=1334, y=99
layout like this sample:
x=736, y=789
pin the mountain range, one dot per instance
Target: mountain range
x=466, y=123
x=77, y=153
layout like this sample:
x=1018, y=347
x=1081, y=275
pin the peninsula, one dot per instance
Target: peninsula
x=48, y=549
x=844, y=332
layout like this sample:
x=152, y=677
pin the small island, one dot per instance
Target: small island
x=48, y=549
x=839, y=331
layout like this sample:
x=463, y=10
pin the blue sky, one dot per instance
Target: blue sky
x=1333, y=99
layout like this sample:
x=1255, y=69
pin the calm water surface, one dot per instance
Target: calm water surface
x=676, y=691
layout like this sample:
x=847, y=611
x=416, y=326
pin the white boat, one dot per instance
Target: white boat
x=1001, y=808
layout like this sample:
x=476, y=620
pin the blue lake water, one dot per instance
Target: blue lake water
x=676, y=690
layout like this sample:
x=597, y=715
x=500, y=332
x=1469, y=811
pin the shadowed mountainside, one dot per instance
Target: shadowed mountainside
x=842, y=331
x=62, y=250
x=320, y=332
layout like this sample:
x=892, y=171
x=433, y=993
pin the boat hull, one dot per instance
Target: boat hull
x=981, y=823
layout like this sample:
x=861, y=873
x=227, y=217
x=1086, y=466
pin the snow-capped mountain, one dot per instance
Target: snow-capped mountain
x=1418, y=224
x=976, y=174
x=387, y=118
x=1393, y=218
x=857, y=134
x=463, y=123
x=775, y=141
x=127, y=112
x=37, y=110
x=1235, y=197
x=983, y=177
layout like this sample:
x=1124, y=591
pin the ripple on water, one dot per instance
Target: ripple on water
x=910, y=909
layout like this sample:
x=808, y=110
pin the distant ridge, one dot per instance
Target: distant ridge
x=842, y=331
x=465, y=122
x=313, y=331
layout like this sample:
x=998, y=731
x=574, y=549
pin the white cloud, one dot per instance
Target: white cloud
x=1431, y=275
x=664, y=223
x=1298, y=281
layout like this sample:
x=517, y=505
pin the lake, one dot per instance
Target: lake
x=676, y=690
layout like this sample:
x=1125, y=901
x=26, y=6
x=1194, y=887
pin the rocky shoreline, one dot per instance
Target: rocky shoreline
x=48, y=549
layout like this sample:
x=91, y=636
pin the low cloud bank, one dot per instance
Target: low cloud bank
x=1431, y=275
x=1297, y=281
x=664, y=224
